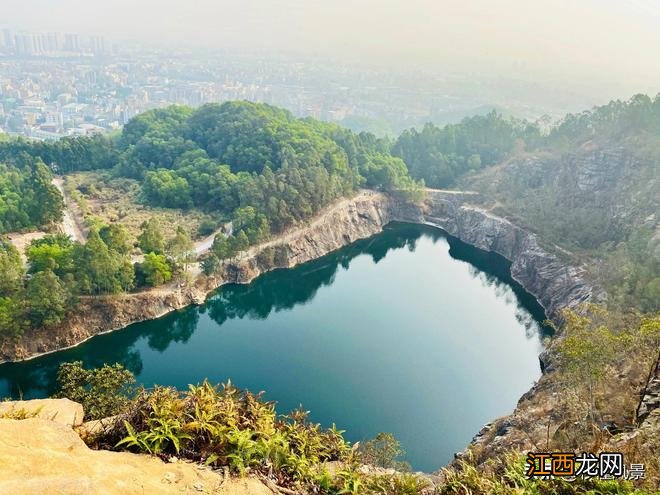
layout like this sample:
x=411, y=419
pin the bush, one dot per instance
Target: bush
x=155, y=269
x=384, y=451
x=206, y=227
x=222, y=426
x=102, y=391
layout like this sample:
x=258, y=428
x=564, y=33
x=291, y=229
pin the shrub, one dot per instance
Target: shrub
x=384, y=451
x=102, y=391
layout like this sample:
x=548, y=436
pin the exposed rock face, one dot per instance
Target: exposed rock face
x=542, y=274
x=38, y=456
x=554, y=284
x=650, y=401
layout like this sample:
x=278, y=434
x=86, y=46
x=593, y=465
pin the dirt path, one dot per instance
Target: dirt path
x=450, y=191
x=205, y=244
x=72, y=222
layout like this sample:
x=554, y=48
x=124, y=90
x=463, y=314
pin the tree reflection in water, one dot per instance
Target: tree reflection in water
x=275, y=291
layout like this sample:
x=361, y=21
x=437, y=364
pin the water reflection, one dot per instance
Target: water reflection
x=284, y=289
x=280, y=290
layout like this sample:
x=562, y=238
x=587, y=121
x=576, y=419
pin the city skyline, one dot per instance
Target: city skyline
x=588, y=41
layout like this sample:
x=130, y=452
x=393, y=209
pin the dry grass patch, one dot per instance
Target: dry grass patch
x=105, y=199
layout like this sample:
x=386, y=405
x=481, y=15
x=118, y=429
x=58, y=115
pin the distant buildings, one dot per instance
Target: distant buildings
x=71, y=43
x=97, y=45
x=25, y=44
x=63, y=84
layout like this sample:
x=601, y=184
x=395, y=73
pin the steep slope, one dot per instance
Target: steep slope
x=596, y=203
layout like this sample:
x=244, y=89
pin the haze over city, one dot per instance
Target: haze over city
x=592, y=41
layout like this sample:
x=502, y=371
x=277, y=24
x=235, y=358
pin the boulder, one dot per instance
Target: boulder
x=62, y=411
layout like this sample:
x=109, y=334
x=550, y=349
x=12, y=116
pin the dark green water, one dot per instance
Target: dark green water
x=408, y=332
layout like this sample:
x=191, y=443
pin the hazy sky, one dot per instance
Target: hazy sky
x=611, y=41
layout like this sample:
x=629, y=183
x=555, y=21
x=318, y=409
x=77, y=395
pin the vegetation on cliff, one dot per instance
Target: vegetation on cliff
x=591, y=401
x=591, y=188
x=221, y=426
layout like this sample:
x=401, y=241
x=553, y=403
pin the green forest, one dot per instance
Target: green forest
x=440, y=156
x=265, y=170
x=27, y=196
x=252, y=164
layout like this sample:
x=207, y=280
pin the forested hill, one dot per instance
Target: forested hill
x=443, y=155
x=591, y=187
x=223, y=157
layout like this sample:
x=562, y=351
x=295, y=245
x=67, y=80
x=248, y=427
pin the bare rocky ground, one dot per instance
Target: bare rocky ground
x=45, y=454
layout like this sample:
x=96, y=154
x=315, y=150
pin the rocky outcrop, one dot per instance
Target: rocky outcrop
x=63, y=411
x=650, y=400
x=554, y=283
x=39, y=456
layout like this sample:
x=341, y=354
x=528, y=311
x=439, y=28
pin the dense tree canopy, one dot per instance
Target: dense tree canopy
x=224, y=158
x=441, y=155
x=28, y=198
x=64, y=155
x=640, y=113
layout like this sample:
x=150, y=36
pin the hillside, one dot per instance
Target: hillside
x=598, y=204
x=589, y=188
x=240, y=171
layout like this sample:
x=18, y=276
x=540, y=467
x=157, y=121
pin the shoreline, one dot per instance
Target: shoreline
x=553, y=284
x=349, y=212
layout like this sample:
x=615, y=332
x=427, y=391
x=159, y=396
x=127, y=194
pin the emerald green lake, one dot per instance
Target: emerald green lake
x=410, y=332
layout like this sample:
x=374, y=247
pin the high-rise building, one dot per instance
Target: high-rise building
x=71, y=42
x=51, y=42
x=98, y=45
x=24, y=44
x=8, y=37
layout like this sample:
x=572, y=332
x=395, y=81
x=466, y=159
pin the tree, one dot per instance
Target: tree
x=47, y=202
x=54, y=252
x=585, y=351
x=151, y=239
x=102, y=391
x=181, y=248
x=210, y=264
x=11, y=269
x=254, y=224
x=99, y=270
x=155, y=269
x=384, y=451
x=12, y=322
x=239, y=242
x=47, y=299
x=222, y=247
x=166, y=188
x=116, y=237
